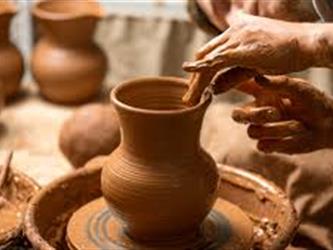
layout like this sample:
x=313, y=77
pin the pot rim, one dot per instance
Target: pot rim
x=41, y=13
x=204, y=102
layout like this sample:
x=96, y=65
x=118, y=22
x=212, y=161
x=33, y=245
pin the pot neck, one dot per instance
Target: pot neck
x=151, y=130
x=69, y=33
x=151, y=136
x=68, y=23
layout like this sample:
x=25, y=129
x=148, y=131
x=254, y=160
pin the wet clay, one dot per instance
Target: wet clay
x=159, y=165
x=67, y=64
x=15, y=192
x=49, y=211
x=93, y=130
x=11, y=63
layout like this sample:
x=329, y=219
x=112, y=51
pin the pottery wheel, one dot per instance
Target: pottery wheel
x=95, y=227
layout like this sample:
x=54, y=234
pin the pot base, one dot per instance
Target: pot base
x=95, y=227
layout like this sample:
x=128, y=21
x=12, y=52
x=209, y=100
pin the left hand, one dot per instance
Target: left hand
x=289, y=115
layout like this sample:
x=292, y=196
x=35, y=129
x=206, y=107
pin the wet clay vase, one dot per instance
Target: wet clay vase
x=159, y=182
x=67, y=64
x=11, y=62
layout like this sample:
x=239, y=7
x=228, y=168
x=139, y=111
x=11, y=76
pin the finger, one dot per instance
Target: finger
x=286, y=86
x=236, y=78
x=213, y=44
x=200, y=81
x=193, y=78
x=289, y=145
x=221, y=60
x=276, y=130
x=256, y=115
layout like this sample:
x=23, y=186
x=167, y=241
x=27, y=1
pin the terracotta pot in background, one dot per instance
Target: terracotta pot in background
x=11, y=62
x=159, y=180
x=93, y=130
x=67, y=64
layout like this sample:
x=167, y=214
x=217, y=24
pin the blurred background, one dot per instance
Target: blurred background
x=144, y=37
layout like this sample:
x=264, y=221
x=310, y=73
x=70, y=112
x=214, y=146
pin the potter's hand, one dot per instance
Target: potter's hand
x=288, y=115
x=265, y=45
x=220, y=12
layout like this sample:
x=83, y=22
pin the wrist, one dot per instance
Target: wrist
x=318, y=44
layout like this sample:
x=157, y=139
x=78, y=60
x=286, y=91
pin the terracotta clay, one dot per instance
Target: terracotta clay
x=91, y=131
x=271, y=212
x=96, y=227
x=15, y=191
x=159, y=165
x=11, y=63
x=67, y=64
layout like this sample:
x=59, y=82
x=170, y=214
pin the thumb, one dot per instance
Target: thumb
x=238, y=78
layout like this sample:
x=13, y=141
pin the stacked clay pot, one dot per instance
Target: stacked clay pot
x=67, y=64
x=11, y=62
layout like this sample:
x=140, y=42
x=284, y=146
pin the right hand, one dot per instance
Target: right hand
x=289, y=115
x=221, y=11
x=268, y=46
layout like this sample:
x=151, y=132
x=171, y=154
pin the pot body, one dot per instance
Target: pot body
x=11, y=63
x=159, y=181
x=67, y=64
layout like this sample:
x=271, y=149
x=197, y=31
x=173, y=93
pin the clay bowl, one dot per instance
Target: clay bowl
x=19, y=191
x=273, y=215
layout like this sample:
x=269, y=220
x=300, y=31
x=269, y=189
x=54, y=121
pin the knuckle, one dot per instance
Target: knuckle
x=253, y=132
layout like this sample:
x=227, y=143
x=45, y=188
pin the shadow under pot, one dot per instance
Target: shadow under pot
x=67, y=64
x=11, y=62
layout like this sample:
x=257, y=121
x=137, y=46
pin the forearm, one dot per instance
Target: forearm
x=320, y=44
x=200, y=17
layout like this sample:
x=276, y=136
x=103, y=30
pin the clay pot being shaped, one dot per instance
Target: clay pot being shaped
x=67, y=64
x=159, y=181
x=99, y=135
x=11, y=63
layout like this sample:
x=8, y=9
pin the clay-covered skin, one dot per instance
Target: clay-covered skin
x=220, y=12
x=67, y=64
x=160, y=181
x=262, y=44
x=288, y=115
x=11, y=63
x=91, y=131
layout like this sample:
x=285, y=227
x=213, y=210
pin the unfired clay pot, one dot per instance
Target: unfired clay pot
x=159, y=165
x=67, y=64
x=11, y=62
